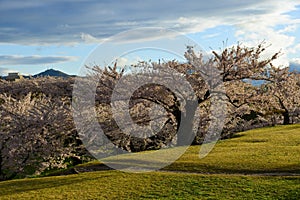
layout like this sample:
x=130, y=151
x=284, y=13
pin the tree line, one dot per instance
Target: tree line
x=38, y=133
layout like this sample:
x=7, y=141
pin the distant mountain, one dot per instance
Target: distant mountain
x=295, y=68
x=52, y=72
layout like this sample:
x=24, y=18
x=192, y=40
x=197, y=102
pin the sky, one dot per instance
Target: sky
x=68, y=34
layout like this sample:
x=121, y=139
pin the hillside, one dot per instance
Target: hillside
x=52, y=72
x=257, y=153
x=46, y=73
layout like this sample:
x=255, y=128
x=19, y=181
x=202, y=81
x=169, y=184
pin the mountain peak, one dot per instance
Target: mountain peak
x=52, y=72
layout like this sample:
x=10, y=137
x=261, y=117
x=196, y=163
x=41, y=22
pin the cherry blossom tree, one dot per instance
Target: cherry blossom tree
x=281, y=95
x=232, y=66
x=37, y=133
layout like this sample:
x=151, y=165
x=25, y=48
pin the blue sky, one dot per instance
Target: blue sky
x=36, y=35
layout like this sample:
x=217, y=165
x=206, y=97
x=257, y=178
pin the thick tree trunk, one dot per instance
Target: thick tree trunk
x=286, y=117
x=185, y=135
x=286, y=114
x=1, y=173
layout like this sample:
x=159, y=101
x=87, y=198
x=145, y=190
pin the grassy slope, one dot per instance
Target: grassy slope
x=155, y=185
x=275, y=149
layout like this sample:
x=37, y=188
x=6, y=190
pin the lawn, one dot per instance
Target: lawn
x=268, y=150
x=154, y=185
x=265, y=150
x=272, y=149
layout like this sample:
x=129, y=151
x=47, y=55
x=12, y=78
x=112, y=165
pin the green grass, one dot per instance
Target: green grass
x=265, y=150
x=272, y=149
x=275, y=149
x=155, y=185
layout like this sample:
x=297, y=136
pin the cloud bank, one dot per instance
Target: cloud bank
x=68, y=22
x=71, y=22
x=33, y=60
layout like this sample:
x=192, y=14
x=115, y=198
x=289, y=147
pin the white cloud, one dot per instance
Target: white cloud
x=48, y=22
x=278, y=41
x=87, y=38
x=127, y=61
x=273, y=28
x=296, y=60
x=295, y=64
x=5, y=71
x=122, y=61
x=294, y=49
x=289, y=28
x=211, y=35
x=33, y=60
x=94, y=21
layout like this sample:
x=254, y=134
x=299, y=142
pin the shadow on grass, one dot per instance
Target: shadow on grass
x=288, y=170
x=80, y=169
x=27, y=185
x=123, y=163
x=233, y=135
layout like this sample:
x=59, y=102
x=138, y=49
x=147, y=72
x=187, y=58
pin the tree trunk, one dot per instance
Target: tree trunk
x=286, y=117
x=286, y=114
x=1, y=173
x=185, y=135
